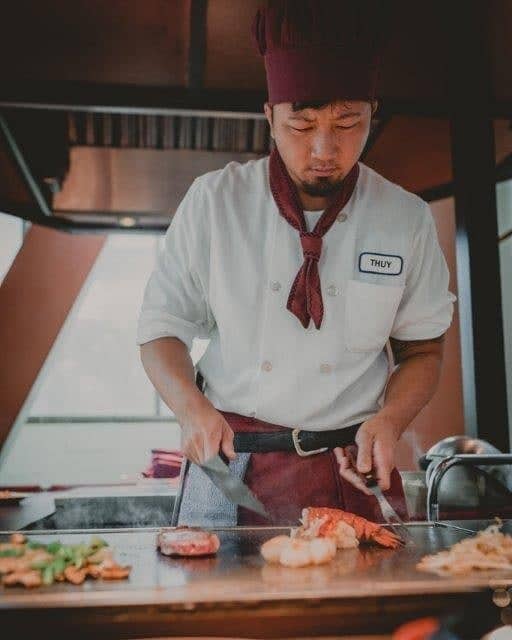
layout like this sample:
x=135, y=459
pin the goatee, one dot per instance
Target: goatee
x=322, y=187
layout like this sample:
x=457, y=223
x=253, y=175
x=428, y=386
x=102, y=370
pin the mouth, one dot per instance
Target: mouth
x=325, y=172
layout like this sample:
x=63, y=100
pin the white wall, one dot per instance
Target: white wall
x=11, y=239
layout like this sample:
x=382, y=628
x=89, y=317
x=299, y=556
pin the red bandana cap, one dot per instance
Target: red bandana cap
x=320, y=50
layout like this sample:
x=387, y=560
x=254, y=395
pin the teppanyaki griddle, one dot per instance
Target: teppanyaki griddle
x=238, y=582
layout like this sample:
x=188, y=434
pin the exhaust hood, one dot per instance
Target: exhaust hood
x=117, y=171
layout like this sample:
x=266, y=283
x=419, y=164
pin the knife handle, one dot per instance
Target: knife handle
x=224, y=458
x=370, y=479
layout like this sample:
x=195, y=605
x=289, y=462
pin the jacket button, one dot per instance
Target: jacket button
x=325, y=368
x=266, y=366
x=332, y=290
x=341, y=217
x=275, y=286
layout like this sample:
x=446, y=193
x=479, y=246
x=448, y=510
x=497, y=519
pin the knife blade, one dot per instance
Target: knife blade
x=390, y=515
x=231, y=486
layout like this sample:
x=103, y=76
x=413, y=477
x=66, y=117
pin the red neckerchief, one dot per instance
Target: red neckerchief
x=305, y=299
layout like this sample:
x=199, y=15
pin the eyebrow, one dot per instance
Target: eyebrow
x=343, y=116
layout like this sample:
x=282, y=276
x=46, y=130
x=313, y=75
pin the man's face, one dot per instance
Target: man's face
x=320, y=146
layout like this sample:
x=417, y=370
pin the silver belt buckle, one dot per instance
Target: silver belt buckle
x=300, y=451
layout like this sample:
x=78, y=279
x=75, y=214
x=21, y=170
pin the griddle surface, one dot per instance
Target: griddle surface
x=239, y=574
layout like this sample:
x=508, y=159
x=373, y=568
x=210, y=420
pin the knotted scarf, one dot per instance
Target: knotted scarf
x=305, y=299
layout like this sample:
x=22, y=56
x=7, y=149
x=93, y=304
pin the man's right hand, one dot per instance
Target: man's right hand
x=205, y=433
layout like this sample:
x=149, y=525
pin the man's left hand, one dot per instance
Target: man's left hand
x=376, y=441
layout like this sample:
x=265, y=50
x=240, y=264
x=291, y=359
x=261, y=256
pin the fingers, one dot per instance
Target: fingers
x=227, y=442
x=211, y=446
x=347, y=470
x=355, y=479
x=202, y=444
x=383, y=465
x=192, y=448
x=364, y=441
x=339, y=454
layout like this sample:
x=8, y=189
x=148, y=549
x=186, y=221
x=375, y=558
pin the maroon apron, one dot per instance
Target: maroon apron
x=286, y=483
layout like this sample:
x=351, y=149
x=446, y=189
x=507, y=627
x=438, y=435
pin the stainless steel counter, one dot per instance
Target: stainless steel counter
x=371, y=587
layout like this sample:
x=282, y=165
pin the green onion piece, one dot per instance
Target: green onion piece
x=65, y=552
x=41, y=565
x=54, y=547
x=11, y=553
x=78, y=559
x=35, y=545
x=48, y=575
x=98, y=542
x=59, y=564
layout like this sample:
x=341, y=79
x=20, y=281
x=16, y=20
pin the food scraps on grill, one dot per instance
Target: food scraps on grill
x=323, y=531
x=489, y=549
x=32, y=564
x=187, y=542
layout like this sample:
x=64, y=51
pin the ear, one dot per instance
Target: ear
x=374, y=105
x=269, y=114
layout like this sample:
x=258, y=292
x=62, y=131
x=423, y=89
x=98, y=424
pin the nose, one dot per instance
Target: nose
x=324, y=147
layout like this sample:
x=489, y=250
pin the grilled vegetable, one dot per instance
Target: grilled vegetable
x=14, y=552
x=32, y=563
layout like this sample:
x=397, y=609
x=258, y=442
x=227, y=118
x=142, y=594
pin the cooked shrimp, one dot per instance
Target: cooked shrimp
x=271, y=550
x=115, y=573
x=322, y=550
x=342, y=533
x=298, y=552
x=365, y=530
x=345, y=536
x=17, y=538
x=74, y=575
x=30, y=578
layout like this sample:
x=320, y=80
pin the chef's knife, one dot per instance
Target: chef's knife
x=390, y=515
x=231, y=486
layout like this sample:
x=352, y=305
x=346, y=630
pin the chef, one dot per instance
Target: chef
x=300, y=269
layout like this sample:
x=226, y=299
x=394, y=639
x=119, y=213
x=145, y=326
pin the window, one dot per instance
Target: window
x=94, y=416
x=94, y=370
x=504, y=205
x=11, y=239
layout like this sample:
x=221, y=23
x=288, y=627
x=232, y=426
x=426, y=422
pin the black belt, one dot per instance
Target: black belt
x=305, y=443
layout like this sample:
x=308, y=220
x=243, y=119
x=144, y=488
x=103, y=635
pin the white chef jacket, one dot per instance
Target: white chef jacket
x=225, y=270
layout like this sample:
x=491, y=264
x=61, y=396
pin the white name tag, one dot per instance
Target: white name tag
x=380, y=263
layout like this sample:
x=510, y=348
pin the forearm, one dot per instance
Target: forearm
x=410, y=388
x=411, y=385
x=169, y=366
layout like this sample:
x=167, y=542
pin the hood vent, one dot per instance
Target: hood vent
x=140, y=131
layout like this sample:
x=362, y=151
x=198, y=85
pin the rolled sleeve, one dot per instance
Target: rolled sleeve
x=426, y=308
x=175, y=302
